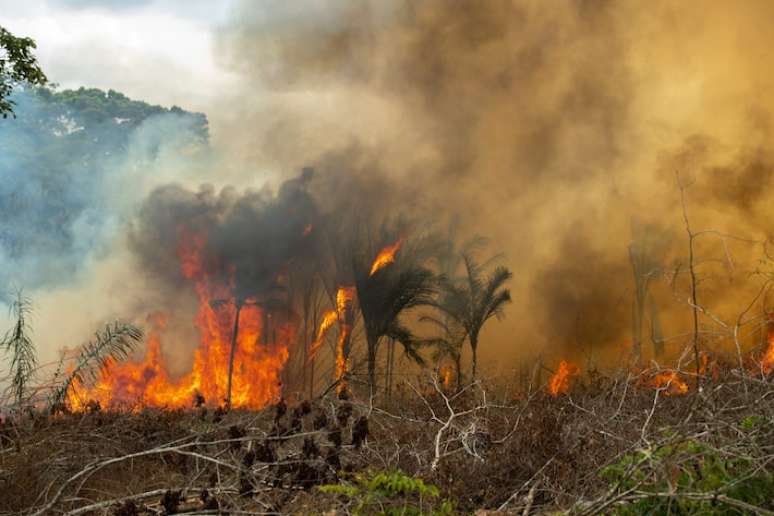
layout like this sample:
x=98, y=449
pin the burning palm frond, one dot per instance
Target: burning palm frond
x=112, y=344
x=384, y=297
x=17, y=341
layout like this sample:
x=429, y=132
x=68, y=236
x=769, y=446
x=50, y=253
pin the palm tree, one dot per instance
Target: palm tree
x=384, y=296
x=448, y=344
x=18, y=342
x=474, y=299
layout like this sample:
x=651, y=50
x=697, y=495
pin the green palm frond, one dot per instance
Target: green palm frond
x=18, y=342
x=112, y=344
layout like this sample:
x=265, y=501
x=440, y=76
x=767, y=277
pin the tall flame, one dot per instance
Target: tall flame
x=345, y=298
x=767, y=362
x=561, y=380
x=386, y=256
x=257, y=364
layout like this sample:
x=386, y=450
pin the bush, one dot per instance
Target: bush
x=389, y=493
x=690, y=477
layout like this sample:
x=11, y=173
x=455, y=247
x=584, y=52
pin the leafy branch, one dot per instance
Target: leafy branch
x=17, y=341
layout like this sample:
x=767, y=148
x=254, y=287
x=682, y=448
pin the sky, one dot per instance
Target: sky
x=159, y=51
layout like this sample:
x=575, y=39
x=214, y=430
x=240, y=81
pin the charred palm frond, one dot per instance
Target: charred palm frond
x=18, y=343
x=112, y=344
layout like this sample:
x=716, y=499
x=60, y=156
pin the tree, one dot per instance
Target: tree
x=474, y=299
x=18, y=342
x=387, y=294
x=449, y=341
x=647, y=244
x=68, y=166
x=18, y=64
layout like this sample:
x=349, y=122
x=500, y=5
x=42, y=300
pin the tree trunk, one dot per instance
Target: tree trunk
x=474, y=348
x=390, y=367
x=305, y=344
x=458, y=372
x=311, y=361
x=371, y=368
x=232, y=353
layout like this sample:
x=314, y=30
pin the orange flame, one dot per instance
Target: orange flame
x=257, y=365
x=767, y=362
x=386, y=256
x=560, y=381
x=345, y=298
x=446, y=376
x=329, y=318
x=671, y=383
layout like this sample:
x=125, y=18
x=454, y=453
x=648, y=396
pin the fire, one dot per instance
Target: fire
x=257, y=364
x=329, y=318
x=767, y=362
x=386, y=256
x=345, y=298
x=671, y=383
x=307, y=230
x=344, y=315
x=446, y=376
x=560, y=381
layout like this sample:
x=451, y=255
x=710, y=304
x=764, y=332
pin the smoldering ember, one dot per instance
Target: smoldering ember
x=386, y=257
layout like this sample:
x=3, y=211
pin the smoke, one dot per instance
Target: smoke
x=74, y=167
x=249, y=238
x=554, y=129
x=557, y=130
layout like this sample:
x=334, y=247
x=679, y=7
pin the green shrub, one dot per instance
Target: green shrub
x=390, y=493
x=679, y=474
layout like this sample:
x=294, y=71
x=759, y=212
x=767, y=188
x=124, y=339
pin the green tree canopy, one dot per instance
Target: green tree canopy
x=71, y=164
x=18, y=65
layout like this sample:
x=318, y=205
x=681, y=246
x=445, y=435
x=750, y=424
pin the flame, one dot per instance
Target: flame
x=446, y=376
x=345, y=298
x=386, y=256
x=708, y=365
x=257, y=362
x=329, y=318
x=560, y=381
x=767, y=362
x=671, y=383
x=307, y=230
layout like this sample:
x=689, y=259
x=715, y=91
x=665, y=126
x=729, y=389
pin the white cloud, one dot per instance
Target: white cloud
x=158, y=51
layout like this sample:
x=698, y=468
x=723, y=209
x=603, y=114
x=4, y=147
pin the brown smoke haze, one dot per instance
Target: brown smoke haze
x=555, y=129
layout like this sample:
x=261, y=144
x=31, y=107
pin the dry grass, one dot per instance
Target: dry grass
x=483, y=451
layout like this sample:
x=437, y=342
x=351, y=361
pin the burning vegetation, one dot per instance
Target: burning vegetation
x=560, y=382
x=330, y=341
